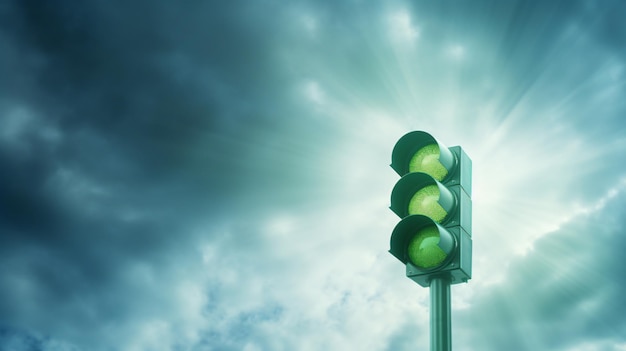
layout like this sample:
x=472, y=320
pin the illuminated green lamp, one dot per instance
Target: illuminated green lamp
x=429, y=248
x=419, y=193
x=426, y=160
x=420, y=241
x=419, y=152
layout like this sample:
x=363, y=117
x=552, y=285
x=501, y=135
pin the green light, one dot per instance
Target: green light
x=424, y=250
x=426, y=160
x=426, y=202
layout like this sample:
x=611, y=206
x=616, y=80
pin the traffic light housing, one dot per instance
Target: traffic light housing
x=433, y=199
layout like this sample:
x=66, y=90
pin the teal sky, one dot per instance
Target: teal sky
x=215, y=175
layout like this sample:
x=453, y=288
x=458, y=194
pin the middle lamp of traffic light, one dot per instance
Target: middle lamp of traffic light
x=419, y=193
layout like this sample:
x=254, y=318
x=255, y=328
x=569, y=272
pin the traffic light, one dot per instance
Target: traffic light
x=433, y=198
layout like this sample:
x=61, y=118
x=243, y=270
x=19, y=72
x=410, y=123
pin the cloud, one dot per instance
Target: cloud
x=559, y=295
x=207, y=176
x=401, y=28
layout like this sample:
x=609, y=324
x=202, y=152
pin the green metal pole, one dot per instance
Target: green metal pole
x=440, y=321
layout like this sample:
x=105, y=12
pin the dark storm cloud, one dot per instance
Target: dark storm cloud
x=148, y=100
x=111, y=146
x=124, y=126
x=146, y=78
x=561, y=294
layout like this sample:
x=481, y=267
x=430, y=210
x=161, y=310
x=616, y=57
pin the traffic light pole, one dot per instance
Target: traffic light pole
x=440, y=324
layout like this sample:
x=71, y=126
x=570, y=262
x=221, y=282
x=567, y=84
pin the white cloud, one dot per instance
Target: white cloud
x=456, y=51
x=20, y=126
x=314, y=92
x=401, y=28
x=561, y=293
x=329, y=277
x=310, y=24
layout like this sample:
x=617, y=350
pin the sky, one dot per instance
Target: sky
x=214, y=175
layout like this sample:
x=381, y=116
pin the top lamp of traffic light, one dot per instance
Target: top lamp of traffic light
x=419, y=152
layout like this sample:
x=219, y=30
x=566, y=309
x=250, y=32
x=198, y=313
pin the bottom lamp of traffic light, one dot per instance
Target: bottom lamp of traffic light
x=430, y=247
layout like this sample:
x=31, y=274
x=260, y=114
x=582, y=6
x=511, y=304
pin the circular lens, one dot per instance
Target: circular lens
x=424, y=250
x=426, y=202
x=426, y=160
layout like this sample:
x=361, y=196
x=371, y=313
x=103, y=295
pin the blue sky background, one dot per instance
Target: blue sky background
x=214, y=175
